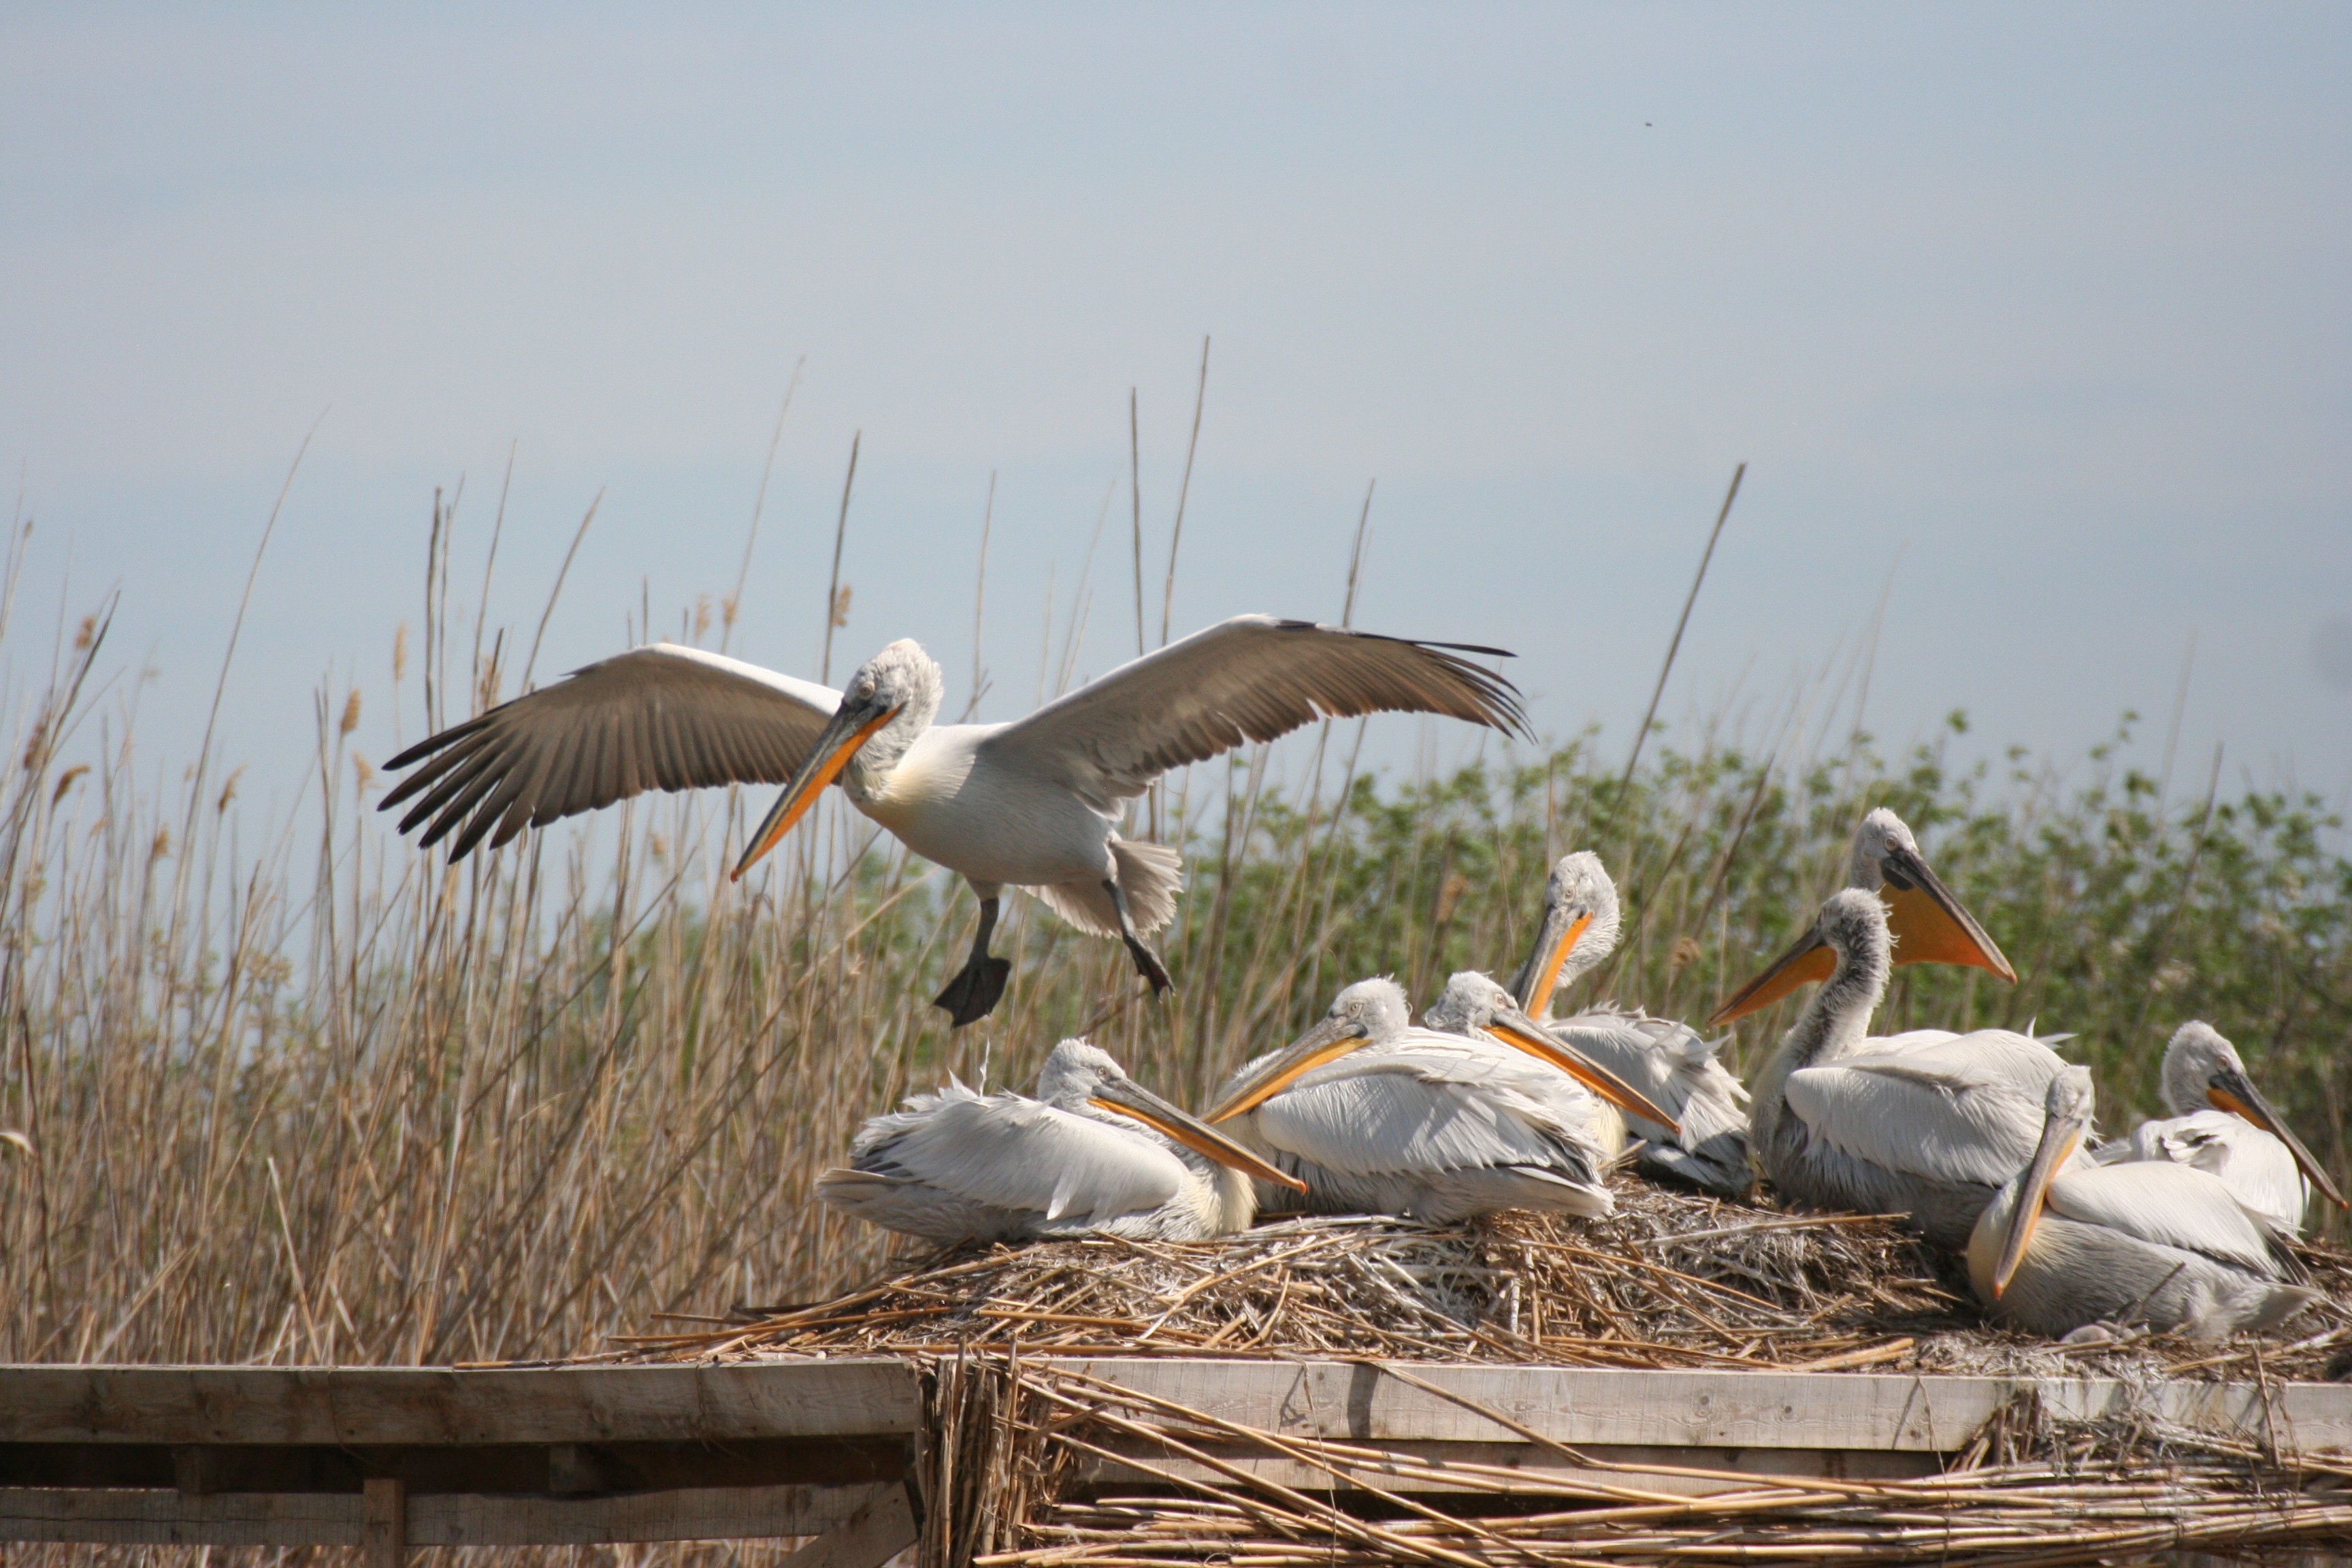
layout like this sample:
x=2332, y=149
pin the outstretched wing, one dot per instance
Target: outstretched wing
x=658, y=716
x=1249, y=678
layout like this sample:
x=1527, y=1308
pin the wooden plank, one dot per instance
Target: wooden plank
x=1576, y=1405
x=330, y=1519
x=383, y=1522
x=200, y=1404
x=880, y=1531
x=1535, y=1472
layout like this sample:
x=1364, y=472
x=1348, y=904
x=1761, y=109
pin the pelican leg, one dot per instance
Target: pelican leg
x=1147, y=963
x=973, y=994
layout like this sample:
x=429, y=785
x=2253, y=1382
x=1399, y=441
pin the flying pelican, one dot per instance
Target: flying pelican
x=1094, y=1151
x=1928, y=924
x=1667, y=1061
x=1033, y=803
x=1377, y=1117
x=2068, y=1242
x=2222, y=1124
x=1926, y=1124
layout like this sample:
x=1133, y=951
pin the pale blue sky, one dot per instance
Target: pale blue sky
x=2042, y=309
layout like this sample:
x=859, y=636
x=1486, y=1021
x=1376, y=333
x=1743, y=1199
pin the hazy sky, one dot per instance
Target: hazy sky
x=2037, y=319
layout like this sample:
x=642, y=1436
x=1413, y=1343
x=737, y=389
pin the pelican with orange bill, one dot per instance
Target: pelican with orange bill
x=1706, y=1146
x=1476, y=1111
x=2067, y=1242
x=1094, y=1151
x=2223, y=1125
x=1034, y=804
x=1927, y=923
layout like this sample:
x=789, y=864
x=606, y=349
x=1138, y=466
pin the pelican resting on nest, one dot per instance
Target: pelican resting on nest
x=1927, y=923
x=2067, y=1242
x=1926, y=1124
x=1094, y=1151
x=1479, y=1111
x=1034, y=804
x=1668, y=1062
x=2221, y=1124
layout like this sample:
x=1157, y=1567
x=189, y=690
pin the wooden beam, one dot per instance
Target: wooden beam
x=879, y=1531
x=428, y=1405
x=383, y=1522
x=1420, y=1467
x=1743, y=1410
x=342, y=1519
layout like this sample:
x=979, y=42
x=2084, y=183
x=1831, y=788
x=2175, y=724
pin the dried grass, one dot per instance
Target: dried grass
x=1672, y=1281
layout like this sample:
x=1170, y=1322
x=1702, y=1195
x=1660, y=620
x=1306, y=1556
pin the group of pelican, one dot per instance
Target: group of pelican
x=1982, y=1140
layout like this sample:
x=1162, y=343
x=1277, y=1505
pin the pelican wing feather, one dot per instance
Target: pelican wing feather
x=1968, y=1109
x=2171, y=1205
x=1252, y=678
x=658, y=716
x=1402, y=1108
x=2253, y=1164
x=1667, y=1061
x=1015, y=1152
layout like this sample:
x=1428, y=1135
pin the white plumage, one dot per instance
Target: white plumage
x=1433, y=1123
x=1033, y=803
x=1003, y=1167
x=1927, y=1124
x=2223, y=1125
x=2066, y=1242
x=1667, y=1061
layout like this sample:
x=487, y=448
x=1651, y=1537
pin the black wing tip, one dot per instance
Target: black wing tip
x=438, y=741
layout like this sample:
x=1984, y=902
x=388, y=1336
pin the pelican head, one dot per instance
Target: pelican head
x=1371, y=1011
x=2066, y=1117
x=1473, y=1003
x=1578, y=929
x=1083, y=1079
x=1848, y=939
x=891, y=698
x=1927, y=923
x=2202, y=1071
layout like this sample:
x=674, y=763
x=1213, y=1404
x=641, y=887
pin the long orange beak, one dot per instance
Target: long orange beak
x=850, y=729
x=1133, y=1100
x=1928, y=922
x=2061, y=1136
x=1533, y=1039
x=1809, y=959
x=1327, y=1041
x=2233, y=1092
x=1554, y=942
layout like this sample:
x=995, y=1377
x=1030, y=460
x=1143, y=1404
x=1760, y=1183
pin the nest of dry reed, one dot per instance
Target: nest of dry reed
x=1671, y=1280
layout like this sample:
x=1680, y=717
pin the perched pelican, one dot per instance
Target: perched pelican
x=1926, y=1124
x=1094, y=1152
x=2068, y=1242
x=1377, y=1117
x=2222, y=1124
x=1927, y=923
x=1667, y=1061
x=1033, y=803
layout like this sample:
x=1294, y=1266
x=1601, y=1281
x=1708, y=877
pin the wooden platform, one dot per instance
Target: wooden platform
x=395, y=1457
x=392, y=1458
x=1856, y=1426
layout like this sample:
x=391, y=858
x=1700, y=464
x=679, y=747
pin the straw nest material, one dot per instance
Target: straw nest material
x=1673, y=1280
